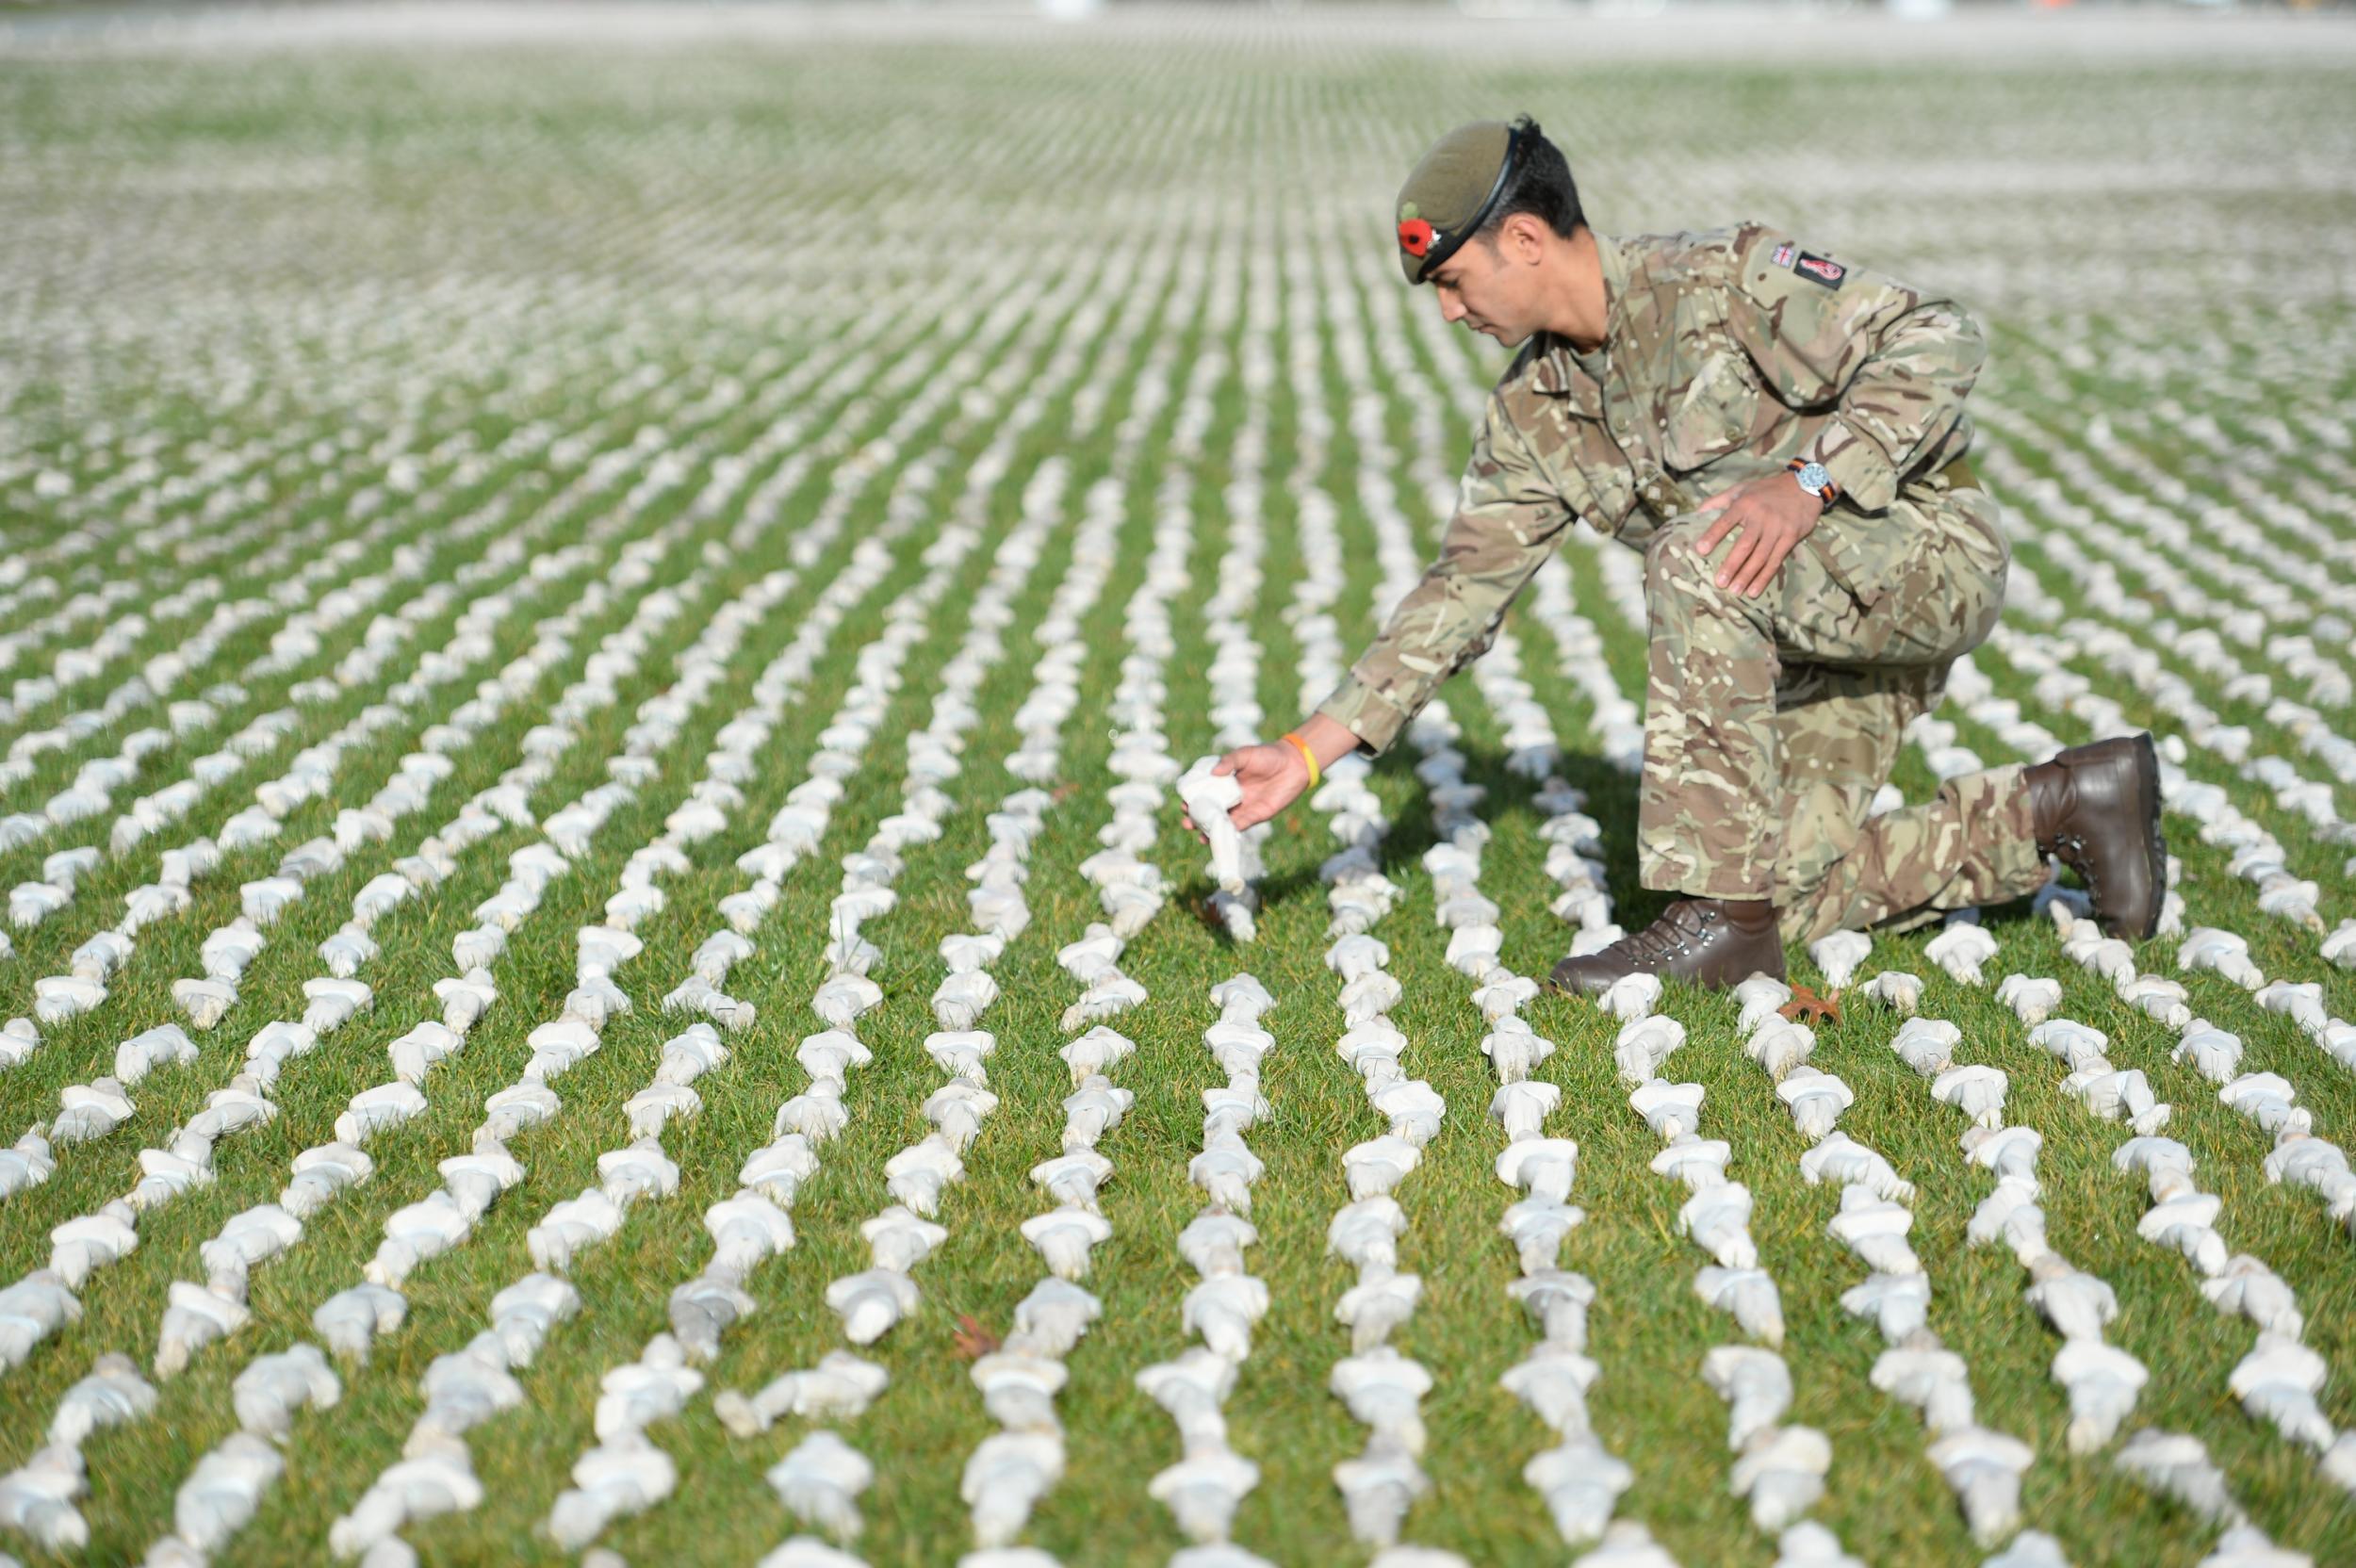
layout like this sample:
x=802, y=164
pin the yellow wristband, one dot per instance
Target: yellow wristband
x=1307, y=756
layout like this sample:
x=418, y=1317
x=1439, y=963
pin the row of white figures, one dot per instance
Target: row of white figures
x=94, y=1109
x=1234, y=680
x=1011, y=1470
x=1580, y=1480
x=1383, y=1387
x=2101, y=1380
x=1617, y=721
x=2238, y=598
x=1380, y=1386
x=1130, y=889
x=820, y=1483
x=303, y=566
x=1779, y=1469
x=2176, y=1466
x=1980, y=1466
x=626, y=1473
x=1202, y=1489
x=1210, y=1479
x=820, y=1479
x=1574, y=853
x=199, y=1312
x=317, y=1179
x=2242, y=596
x=312, y=774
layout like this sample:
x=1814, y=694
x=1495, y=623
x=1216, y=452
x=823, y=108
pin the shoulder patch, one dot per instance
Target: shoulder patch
x=1824, y=269
x=1784, y=252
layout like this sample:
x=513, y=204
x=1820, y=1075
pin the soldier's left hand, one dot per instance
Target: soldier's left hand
x=1770, y=514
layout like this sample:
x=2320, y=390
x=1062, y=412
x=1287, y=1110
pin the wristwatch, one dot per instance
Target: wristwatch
x=1816, y=480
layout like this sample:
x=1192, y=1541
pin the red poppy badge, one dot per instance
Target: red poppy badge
x=1414, y=235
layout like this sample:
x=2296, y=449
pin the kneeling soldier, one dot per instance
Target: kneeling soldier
x=1782, y=435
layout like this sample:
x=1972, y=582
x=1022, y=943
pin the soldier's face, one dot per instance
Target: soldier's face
x=1475, y=287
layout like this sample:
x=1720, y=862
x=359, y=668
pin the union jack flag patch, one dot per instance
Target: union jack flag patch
x=1783, y=253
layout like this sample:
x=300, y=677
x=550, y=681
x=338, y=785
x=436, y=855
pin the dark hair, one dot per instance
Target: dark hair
x=1541, y=186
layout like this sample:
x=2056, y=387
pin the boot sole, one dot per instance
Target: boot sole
x=2147, y=779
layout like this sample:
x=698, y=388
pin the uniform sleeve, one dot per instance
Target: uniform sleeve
x=1892, y=362
x=1509, y=518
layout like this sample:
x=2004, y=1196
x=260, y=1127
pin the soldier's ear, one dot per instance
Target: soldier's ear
x=1525, y=233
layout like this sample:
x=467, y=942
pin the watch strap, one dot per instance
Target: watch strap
x=1827, y=495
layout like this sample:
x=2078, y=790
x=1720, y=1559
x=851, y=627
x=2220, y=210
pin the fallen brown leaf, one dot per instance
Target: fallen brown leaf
x=971, y=1341
x=1809, y=1007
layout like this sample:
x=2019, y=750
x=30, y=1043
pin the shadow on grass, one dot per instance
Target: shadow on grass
x=1610, y=798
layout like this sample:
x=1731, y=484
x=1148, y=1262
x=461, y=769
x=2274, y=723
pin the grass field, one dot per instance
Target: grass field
x=431, y=449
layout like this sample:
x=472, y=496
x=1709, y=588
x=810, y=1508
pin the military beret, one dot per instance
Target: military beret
x=1450, y=195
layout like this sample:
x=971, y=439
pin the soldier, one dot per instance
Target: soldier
x=1783, y=435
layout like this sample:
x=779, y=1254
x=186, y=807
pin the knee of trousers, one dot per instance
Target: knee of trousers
x=1674, y=568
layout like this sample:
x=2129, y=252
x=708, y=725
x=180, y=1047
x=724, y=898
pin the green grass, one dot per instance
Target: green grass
x=443, y=249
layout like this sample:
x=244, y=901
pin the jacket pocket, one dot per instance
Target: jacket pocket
x=1711, y=415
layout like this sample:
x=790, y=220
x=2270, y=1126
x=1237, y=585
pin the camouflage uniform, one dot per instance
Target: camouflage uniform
x=1770, y=722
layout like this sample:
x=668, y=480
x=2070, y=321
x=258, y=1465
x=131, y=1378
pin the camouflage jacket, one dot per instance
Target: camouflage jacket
x=1727, y=353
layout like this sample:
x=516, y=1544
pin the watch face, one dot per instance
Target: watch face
x=1814, y=477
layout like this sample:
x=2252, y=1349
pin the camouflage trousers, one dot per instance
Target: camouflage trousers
x=1771, y=722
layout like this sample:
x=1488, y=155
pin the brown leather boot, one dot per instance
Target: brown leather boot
x=1712, y=942
x=2098, y=810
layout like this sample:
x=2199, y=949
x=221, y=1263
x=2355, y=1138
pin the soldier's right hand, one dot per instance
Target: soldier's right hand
x=1273, y=776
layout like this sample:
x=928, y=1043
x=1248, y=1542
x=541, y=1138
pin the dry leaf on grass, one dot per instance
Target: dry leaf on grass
x=971, y=1341
x=1809, y=1007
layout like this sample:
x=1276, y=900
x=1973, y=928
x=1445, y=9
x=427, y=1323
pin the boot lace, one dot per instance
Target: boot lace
x=1677, y=925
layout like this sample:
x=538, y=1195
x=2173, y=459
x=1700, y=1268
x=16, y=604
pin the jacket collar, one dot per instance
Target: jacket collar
x=1555, y=371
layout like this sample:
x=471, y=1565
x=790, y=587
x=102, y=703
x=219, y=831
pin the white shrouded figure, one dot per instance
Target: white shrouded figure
x=1208, y=798
x=820, y=1483
x=1747, y=1295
